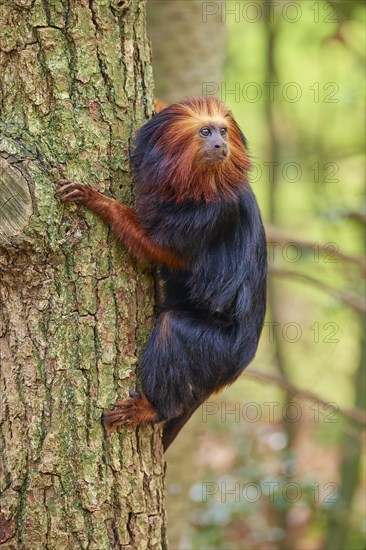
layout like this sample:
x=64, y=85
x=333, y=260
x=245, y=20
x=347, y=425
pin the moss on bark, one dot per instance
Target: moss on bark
x=75, y=82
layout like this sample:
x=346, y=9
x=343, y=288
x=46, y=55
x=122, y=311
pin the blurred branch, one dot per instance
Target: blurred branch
x=354, y=414
x=355, y=302
x=276, y=236
x=355, y=215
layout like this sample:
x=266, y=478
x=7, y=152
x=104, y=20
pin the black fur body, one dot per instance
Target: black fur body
x=210, y=316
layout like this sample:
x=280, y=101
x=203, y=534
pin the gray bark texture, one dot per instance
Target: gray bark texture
x=75, y=308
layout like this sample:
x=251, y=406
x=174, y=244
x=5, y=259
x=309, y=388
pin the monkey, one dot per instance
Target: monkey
x=196, y=219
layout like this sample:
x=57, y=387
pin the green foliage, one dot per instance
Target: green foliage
x=312, y=100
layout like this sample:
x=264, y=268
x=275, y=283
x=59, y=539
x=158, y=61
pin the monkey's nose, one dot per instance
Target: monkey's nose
x=222, y=147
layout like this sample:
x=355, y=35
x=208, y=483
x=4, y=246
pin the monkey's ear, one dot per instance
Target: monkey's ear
x=237, y=130
x=243, y=138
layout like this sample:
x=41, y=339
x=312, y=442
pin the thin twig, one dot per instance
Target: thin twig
x=276, y=236
x=355, y=302
x=354, y=414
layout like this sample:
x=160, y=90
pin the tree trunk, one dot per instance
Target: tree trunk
x=75, y=82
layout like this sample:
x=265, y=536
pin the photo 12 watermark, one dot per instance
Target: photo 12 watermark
x=270, y=411
x=293, y=252
x=290, y=92
x=294, y=172
x=292, y=332
x=252, y=492
x=255, y=11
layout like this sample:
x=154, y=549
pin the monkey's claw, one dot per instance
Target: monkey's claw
x=76, y=192
x=134, y=411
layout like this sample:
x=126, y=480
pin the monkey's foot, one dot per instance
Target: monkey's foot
x=134, y=411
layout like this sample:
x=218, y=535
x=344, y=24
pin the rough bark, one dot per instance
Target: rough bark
x=75, y=309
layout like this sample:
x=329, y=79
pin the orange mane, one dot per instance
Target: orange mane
x=175, y=146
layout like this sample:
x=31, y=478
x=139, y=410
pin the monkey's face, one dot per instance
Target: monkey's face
x=213, y=142
x=192, y=150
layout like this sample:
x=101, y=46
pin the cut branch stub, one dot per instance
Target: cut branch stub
x=15, y=200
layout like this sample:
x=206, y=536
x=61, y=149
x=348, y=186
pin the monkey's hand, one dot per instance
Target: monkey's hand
x=123, y=220
x=132, y=412
x=77, y=192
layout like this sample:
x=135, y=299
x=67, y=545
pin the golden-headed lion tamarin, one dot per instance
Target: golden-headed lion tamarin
x=197, y=219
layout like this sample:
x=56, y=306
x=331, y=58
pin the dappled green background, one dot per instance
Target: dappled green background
x=307, y=148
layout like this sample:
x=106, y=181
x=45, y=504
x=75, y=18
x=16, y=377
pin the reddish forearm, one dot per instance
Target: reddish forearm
x=125, y=224
x=123, y=221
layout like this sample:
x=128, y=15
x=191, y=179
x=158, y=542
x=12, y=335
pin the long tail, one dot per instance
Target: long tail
x=174, y=426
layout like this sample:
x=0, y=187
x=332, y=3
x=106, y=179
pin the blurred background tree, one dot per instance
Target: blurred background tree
x=275, y=461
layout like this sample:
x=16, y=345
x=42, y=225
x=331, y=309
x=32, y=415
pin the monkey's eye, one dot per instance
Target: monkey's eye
x=204, y=132
x=223, y=131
